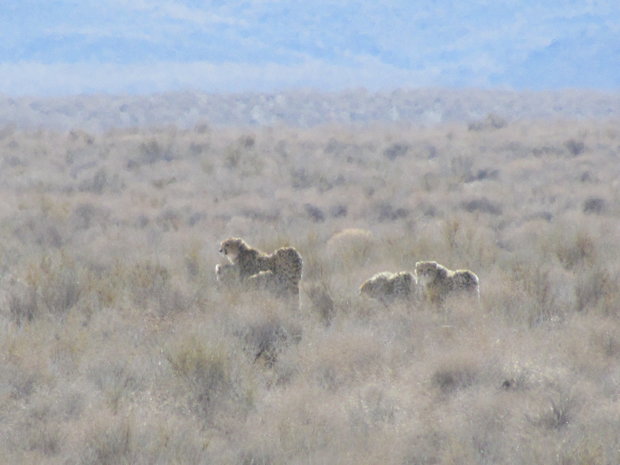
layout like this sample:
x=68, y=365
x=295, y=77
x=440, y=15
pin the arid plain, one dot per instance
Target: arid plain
x=117, y=346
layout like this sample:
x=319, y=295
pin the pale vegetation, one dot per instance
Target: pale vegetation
x=116, y=345
x=424, y=106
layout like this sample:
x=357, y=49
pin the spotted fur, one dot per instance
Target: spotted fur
x=438, y=282
x=279, y=272
x=388, y=287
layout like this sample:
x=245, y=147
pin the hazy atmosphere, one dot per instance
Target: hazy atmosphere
x=429, y=197
x=143, y=46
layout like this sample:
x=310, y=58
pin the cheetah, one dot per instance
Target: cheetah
x=244, y=259
x=388, y=287
x=437, y=281
x=284, y=276
x=279, y=272
x=287, y=269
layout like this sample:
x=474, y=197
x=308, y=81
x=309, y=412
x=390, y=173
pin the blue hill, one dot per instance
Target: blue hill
x=257, y=45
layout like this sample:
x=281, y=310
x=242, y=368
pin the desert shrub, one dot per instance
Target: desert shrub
x=396, y=150
x=338, y=210
x=266, y=338
x=451, y=380
x=23, y=304
x=387, y=212
x=154, y=151
x=546, y=150
x=87, y=214
x=43, y=230
x=587, y=450
x=300, y=179
x=431, y=181
x=101, y=182
x=543, y=215
x=151, y=285
x=161, y=183
x=6, y=131
x=116, y=381
x=461, y=167
x=252, y=457
x=576, y=250
x=80, y=137
x=587, y=176
x=141, y=441
x=61, y=290
x=45, y=438
x=241, y=157
x=169, y=220
x=146, y=278
x=515, y=378
x=335, y=146
x=594, y=205
x=593, y=286
x=52, y=286
x=204, y=368
x=575, y=147
x=196, y=218
x=544, y=291
x=372, y=410
x=454, y=374
x=482, y=174
x=315, y=213
x=557, y=411
x=194, y=262
x=21, y=384
x=172, y=300
x=209, y=369
x=482, y=205
x=247, y=141
x=339, y=361
x=321, y=301
x=111, y=444
x=351, y=247
x=491, y=121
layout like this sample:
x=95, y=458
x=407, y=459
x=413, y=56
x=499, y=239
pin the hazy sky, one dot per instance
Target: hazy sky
x=141, y=46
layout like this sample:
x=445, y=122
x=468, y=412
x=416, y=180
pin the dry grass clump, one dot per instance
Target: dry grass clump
x=117, y=345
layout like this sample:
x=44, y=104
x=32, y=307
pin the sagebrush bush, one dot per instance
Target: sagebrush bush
x=205, y=372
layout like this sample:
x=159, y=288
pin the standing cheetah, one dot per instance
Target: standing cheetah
x=388, y=287
x=284, y=275
x=279, y=272
x=287, y=268
x=245, y=260
x=437, y=281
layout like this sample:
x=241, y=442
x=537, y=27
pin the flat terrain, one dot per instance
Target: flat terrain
x=116, y=345
x=304, y=109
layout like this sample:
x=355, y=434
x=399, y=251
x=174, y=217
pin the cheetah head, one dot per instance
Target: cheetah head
x=426, y=272
x=231, y=248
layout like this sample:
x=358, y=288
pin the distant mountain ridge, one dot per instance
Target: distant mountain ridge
x=66, y=47
x=303, y=108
